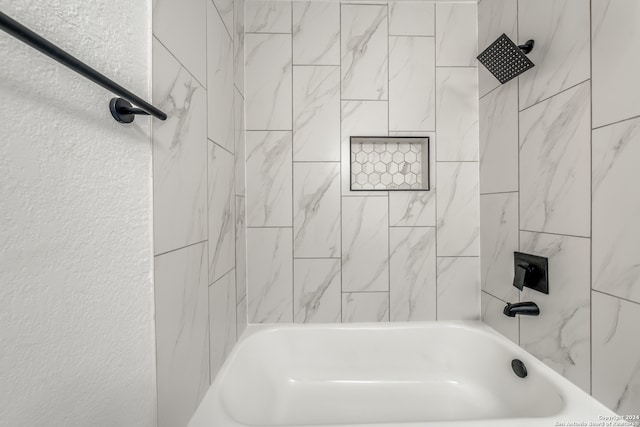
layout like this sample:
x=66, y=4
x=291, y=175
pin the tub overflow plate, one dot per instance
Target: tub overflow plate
x=518, y=368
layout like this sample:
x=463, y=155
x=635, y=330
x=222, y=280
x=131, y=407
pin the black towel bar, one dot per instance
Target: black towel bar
x=120, y=108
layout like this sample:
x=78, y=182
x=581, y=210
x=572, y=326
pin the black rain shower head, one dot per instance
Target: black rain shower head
x=505, y=60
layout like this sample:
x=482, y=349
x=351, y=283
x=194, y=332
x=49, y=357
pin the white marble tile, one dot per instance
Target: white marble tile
x=616, y=354
x=182, y=335
x=240, y=146
x=492, y=315
x=560, y=335
x=270, y=275
x=360, y=118
x=222, y=320
x=182, y=28
x=225, y=9
x=241, y=249
x=219, y=81
x=555, y=163
x=179, y=155
x=415, y=208
x=238, y=44
x=615, y=227
x=364, y=50
x=316, y=113
x=365, y=244
x=267, y=16
x=560, y=29
x=316, y=290
x=412, y=94
x=316, y=32
x=456, y=34
x=458, y=209
x=221, y=213
x=412, y=208
x=365, y=307
x=241, y=317
x=457, y=118
x=498, y=242
x=316, y=210
x=499, y=140
x=412, y=288
x=412, y=18
x=495, y=17
x=269, y=179
x=615, y=62
x=268, y=81
x=459, y=288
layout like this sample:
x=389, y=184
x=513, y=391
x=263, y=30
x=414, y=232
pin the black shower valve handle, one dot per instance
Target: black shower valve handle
x=531, y=271
x=524, y=274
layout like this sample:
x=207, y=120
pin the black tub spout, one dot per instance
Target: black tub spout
x=522, y=308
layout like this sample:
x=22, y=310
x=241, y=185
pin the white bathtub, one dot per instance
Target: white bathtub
x=399, y=374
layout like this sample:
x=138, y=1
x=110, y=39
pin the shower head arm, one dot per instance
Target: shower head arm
x=527, y=46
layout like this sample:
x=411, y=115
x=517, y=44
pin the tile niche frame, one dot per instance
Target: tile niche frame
x=424, y=156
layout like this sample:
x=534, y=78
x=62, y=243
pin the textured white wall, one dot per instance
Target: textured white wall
x=76, y=334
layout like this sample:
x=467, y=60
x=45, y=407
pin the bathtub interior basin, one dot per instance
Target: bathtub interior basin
x=394, y=374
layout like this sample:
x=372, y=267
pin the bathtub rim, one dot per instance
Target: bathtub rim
x=578, y=405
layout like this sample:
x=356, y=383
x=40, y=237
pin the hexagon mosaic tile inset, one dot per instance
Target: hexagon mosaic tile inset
x=388, y=163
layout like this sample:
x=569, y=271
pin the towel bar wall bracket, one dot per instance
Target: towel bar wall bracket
x=121, y=108
x=123, y=111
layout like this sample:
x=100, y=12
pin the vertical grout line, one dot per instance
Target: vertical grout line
x=341, y=166
x=235, y=163
x=388, y=194
x=293, y=268
x=206, y=59
x=239, y=38
x=591, y=199
x=389, y=255
x=477, y=75
x=244, y=161
x=235, y=232
x=518, y=151
x=435, y=160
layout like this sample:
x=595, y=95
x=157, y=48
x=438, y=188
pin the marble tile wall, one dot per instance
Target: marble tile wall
x=199, y=196
x=318, y=72
x=182, y=341
x=558, y=155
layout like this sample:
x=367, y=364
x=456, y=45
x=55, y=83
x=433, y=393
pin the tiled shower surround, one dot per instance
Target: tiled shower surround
x=317, y=73
x=556, y=147
x=559, y=149
x=198, y=180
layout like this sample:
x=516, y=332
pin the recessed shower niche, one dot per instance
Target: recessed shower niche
x=385, y=163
